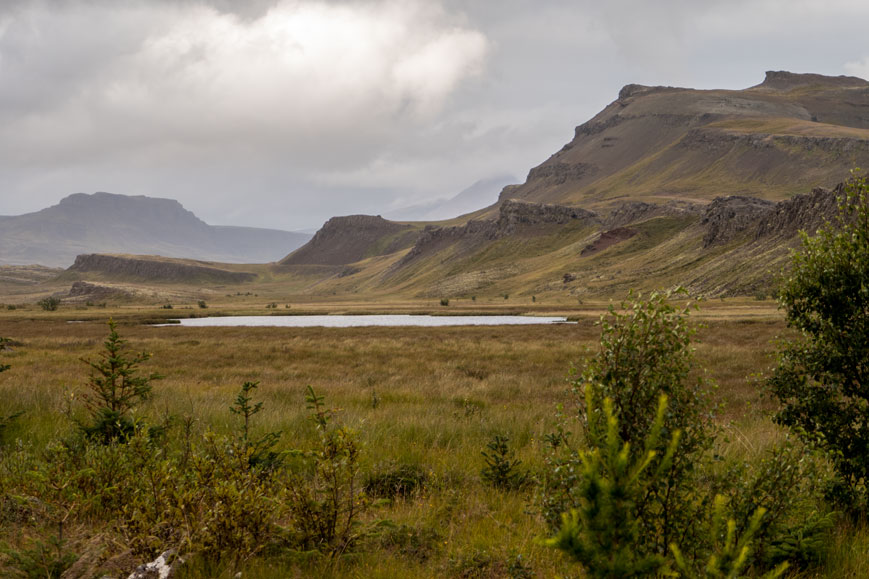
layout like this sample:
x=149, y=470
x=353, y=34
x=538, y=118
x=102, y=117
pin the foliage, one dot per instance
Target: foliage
x=645, y=352
x=49, y=304
x=114, y=389
x=42, y=560
x=326, y=505
x=731, y=550
x=260, y=451
x=445, y=301
x=603, y=533
x=6, y=420
x=822, y=378
x=502, y=466
x=392, y=481
x=202, y=304
x=786, y=484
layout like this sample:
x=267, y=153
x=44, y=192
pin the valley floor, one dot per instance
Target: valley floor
x=425, y=398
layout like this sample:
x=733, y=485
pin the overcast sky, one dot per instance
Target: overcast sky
x=284, y=113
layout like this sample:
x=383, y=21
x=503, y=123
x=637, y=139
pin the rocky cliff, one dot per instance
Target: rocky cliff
x=154, y=269
x=514, y=218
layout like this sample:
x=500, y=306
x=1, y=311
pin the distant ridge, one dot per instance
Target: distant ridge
x=111, y=223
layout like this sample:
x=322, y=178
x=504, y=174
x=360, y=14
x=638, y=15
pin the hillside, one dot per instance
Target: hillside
x=666, y=186
x=108, y=223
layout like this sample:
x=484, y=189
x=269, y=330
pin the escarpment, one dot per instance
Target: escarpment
x=150, y=268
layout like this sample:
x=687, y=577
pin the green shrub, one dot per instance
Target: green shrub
x=261, y=451
x=114, y=389
x=325, y=504
x=502, y=466
x=603, y=532
x=731, y=550
x=393, y=481
x=645, y=352
x=6, y=420
x=49, y=304
x=202, y=304
x=822, y=376
x=42, y=560
x=445, y=301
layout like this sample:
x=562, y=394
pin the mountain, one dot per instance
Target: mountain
x=782, y=137
x=109, y=223
x=481, y=194
x=666, y=186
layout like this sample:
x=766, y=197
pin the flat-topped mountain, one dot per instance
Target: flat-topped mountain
x=109, y=223
x=782, y=137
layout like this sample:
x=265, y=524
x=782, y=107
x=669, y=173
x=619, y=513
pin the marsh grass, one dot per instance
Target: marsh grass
x=442, y=394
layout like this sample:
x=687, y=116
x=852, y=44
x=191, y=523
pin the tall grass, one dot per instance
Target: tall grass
x=429, y=397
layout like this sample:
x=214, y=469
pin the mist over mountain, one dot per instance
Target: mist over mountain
x=111, y=223
x=481, y=194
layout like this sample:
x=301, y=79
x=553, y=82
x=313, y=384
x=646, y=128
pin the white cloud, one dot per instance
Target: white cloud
x=858, y=68
x=293, y=80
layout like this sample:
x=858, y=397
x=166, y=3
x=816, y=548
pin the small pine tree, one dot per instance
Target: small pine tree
x=603, y=532
x=502, y=466
x=115, y=388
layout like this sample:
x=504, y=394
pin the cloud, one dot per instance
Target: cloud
x=858, y=67
x=174, y=81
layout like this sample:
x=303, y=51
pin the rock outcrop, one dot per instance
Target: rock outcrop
x=800, y=213
x=636, y=211
x=82, y=291
x=728, y=217
x=784, y=80
x=513, y=217
x=153, y=269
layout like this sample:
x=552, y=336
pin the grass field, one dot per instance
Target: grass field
x=430, y=398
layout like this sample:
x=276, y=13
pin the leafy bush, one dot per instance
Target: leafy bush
x=202, y=304
x=49, y=304
x=445, y=301
x=821, y=378
x=260, y=451
x=645, y=352
x=325, y=505
x=114, y=389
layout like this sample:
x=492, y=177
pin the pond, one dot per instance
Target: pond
x=344, y=321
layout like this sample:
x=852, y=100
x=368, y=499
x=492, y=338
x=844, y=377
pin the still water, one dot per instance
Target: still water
x=340, y=321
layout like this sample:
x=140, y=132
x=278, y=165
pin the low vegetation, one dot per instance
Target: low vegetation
x=461, y=452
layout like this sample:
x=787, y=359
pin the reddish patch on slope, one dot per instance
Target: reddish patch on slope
x=607, y=239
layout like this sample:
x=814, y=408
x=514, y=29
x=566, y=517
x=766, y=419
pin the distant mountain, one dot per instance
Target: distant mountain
x=479, y=195
x=109, y=223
